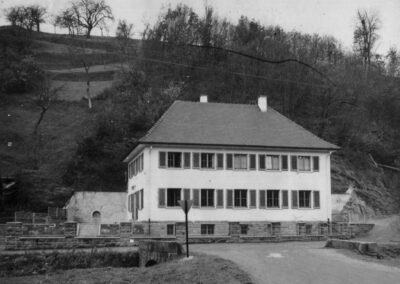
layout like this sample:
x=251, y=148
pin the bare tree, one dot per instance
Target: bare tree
x=82, y=57
x=36, y=14
x=26, y=16
x=90, y=14
x=365, y=35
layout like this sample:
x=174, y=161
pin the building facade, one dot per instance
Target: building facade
x=243, y=164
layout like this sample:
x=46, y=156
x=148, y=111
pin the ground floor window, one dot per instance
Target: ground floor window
x=170, y=229
x=276, y=229
x=207, y=229
x=244, y=228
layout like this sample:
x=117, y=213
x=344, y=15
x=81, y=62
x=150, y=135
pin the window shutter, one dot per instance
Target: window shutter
x=261, y=162
x=161, y=197
x=315, y=163
x=294, y=163
x=196, y=198
x=285, y=199
x=186, y=194
x=220, y=161
x=316, y=199
x=220, y=198
x=141, y=199
x=132, y=202
x=252, y=161
x=262, y=198
x=129, y=203
x=229, y=198
x=253, y=203
x=229, y=161
x=284, y=162
x=196, y=160
x=186, y=160
x=294, y=199
x=162, y=159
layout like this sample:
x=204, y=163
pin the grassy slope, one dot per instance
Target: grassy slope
x=201, y=269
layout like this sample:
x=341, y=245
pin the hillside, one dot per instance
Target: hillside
x=82, y=149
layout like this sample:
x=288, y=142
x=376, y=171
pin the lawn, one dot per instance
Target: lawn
x=200, y=269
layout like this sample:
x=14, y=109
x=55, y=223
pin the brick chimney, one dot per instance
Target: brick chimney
x=262, y=103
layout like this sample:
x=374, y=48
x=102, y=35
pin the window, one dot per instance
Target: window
x=240, y=161
x=229, y=161
x=252, y=161
x=261, y=162
x=220, y=161
x=186, y=160
x=315, y=163
x=316, y=199
x=207, y=229
x=240, y=198
x=244, y=228
x=272, y=162
x=276, y=229
x=174, y=160
x=293, y=160
x=304, y=229
x=273, y=198
x=170, y=229
x=284, y=163
x=136, y=166
x=173, y=196
x=304, y=163
x=207, y=198
x=207, y=160
x=304, y=198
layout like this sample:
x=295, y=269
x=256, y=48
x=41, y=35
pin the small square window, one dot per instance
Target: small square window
x=244, y=228
x=207, y=229
x=170, y=229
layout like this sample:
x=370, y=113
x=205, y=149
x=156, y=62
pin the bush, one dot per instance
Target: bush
x=40, y=263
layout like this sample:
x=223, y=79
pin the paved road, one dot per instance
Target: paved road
x=301, y=262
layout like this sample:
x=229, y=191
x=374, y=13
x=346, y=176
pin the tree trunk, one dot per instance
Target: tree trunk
x=88, y=92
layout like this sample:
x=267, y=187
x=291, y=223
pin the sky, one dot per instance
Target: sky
x=324, y=17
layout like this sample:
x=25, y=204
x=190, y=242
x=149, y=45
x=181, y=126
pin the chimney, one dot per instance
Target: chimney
x=203, y=98
x=262, y=103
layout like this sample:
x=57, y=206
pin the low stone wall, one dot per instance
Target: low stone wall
x=32, y=243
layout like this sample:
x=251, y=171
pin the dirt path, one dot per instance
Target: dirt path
x=300, y=263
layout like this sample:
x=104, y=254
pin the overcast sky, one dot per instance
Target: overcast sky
x=324, y=17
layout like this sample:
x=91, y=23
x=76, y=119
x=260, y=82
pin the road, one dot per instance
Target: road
x=300, y=262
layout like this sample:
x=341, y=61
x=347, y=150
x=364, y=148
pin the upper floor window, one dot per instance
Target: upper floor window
x=240, y=161
x=174, y=160
x=305, y=163
x=136, y=166
x=304, y=198
x=207, y=160
x=272, y=162
x=273, y=198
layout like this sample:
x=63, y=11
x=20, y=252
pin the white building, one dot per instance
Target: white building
x=238, y=163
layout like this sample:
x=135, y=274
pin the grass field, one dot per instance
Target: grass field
x=200, y=269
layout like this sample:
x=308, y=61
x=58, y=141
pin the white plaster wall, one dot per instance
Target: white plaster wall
x=153, y=178
x=111, y=206
x=339, y=201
